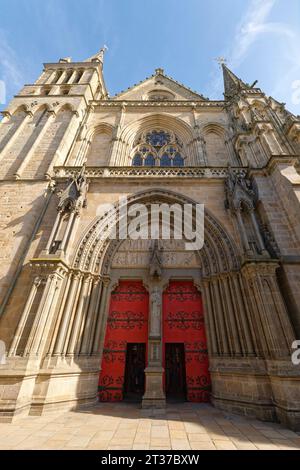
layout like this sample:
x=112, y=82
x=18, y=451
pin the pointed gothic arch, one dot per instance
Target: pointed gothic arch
x=161, y=121
x=218, y=255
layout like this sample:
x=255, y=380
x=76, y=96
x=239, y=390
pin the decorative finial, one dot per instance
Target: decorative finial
x=221, y=60
x=65, y=60
x=99, y=56
x=159, y=71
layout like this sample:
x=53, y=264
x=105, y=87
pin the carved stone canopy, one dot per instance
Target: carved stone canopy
x=73, y=197
x=239, y=189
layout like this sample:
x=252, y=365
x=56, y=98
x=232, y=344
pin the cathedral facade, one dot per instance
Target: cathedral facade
x=86, y=317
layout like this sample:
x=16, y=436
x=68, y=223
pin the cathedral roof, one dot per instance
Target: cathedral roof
x=159, y=82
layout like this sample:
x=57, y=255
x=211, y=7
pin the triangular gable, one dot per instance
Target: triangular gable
x=158, y=83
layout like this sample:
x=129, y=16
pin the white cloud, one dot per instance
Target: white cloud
x=10, y=72
x=251, y=26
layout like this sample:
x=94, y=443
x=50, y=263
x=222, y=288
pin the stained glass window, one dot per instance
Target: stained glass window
x=158, y=138
x=178, y=160
x=165, y=160
x=150, y=160
x=137, y=160
x=160, y=148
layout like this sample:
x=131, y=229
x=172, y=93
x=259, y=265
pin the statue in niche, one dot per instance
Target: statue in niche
x=155, y=301
x=155, y=261
x=237, y=187
x=73, y=198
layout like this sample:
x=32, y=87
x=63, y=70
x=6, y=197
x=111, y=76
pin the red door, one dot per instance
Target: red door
x=183, y=323
x=127, y=323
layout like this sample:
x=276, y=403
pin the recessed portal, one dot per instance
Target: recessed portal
x=184, y=328
x=175, y=372
x=134, y=381
x=125, y=340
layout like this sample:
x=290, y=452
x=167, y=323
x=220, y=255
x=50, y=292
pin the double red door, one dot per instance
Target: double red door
x=185, y=356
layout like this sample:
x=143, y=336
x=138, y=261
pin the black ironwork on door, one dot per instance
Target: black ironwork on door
x=175, y=372
x=134, y=383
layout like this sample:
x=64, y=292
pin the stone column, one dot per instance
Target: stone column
x=61, y=311
x=219, y=316
x=269, y=309
x=234, y=337
x=62, y=77
x=91, y=318
x=17, y=132
x=54, y=231
x=117, y=149
x=99, y=336
x=154, y=395
x=67, y=233
x=241, y=316
x=66, y=141
x=243, y=233
x=80, y=313
x=209, y=316
x=258, y=234
x=60, y=345
x=24, y=317
x=40, y=329
x=36, y=143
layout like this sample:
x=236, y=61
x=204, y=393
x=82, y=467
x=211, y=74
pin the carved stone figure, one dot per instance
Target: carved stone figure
x=73, y=198
x=155, y=261
x=156, y=303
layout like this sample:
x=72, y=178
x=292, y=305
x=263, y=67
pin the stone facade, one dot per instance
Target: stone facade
x=66, y=147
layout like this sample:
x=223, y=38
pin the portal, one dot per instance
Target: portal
x=125, y=341
x=184, y=342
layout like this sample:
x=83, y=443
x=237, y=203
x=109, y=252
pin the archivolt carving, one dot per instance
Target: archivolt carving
x=95, y=255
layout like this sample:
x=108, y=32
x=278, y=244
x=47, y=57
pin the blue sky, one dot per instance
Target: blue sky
x=259, y=38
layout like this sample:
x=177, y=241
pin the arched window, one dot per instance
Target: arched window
x=178, y=160
x=158, y=138
x=165, y=160
x=150, y=160
x=158, y=147
x=137, y=160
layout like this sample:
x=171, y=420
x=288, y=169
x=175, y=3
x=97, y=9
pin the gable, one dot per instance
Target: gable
x=158, y=87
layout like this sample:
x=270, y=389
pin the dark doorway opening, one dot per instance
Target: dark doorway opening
x=175, y=372
x=134, y=380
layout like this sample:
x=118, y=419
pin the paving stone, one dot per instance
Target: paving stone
x=122, y=427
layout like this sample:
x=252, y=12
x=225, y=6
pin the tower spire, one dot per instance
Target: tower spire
x=232, y=84
x=99, y=57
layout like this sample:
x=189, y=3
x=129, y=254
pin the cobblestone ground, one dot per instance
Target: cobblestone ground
x=126, y=426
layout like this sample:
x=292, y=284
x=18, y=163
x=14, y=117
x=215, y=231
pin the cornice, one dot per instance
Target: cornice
x=158, y=104
x=151, y=172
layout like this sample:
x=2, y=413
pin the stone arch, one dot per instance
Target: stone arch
x=218, y=255
x=215, y=143
x=99, y=139
x=10, y=123
x=24, y=141
x=53, y=132
x=166, y=122
x=66, y=107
